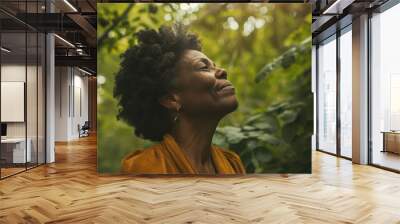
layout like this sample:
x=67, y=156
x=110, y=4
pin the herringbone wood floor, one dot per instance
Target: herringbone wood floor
x=70, y=191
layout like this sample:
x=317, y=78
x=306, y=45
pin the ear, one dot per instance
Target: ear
x=170, y=101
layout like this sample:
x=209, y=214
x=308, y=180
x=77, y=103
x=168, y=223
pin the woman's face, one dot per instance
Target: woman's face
x=203, y=87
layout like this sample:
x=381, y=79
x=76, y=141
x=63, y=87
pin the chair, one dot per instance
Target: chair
x=84, y=130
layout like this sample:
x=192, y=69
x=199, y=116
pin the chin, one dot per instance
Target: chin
x=230, y=104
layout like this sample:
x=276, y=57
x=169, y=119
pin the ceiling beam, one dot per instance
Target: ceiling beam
x=81, y=61
x=337, y=7
x=86, y=27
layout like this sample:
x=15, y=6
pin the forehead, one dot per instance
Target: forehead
x=194, y=55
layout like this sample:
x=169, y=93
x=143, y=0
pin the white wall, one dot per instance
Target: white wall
x=33, y=126
x=71, y=102
x=61, y=103
x=13, y=73
x=16, y=73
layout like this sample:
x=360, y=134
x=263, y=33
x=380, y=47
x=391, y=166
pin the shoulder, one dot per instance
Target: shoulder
x=233, y=158
x=143, y=161
x=229, y=154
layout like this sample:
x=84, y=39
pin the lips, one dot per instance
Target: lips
x=225, y=87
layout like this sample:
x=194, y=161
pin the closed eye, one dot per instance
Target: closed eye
x=206, y=65
x=203, y=67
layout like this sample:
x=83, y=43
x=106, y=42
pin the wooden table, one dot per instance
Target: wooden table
x=391, y=141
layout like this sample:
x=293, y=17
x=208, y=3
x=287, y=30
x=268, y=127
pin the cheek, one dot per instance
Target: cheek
x=202, y=99
x=200, y=90
x=202, y=83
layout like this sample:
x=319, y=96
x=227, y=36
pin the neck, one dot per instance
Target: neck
x=194, y=136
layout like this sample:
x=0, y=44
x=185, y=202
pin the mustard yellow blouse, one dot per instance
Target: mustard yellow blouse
x=168, y=158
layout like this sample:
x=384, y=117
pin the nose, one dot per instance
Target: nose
x=221, y=73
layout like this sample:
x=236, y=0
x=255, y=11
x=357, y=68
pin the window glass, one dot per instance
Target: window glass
x=345, y=93
x=14, y=151
x=327, y=96
x=385, y=88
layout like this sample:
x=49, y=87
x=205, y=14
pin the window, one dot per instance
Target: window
x=22, y=79
x=385, y=88
x=346, y=92
x=327, y=95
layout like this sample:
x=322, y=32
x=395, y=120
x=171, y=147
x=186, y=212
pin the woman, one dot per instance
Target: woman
x=171, y=92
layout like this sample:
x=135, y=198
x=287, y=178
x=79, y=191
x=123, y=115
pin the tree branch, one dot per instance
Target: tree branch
x=114, y=24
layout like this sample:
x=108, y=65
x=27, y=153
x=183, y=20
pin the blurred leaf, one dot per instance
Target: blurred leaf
x=285, y=60
x=263, y=156
x=288, y=116
x=270, y=139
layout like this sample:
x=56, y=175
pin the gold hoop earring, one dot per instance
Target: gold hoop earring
x=176, y=118
x=176, y=115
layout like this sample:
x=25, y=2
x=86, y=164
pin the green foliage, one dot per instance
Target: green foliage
x=276, y=140
x=285, y=60
x=271, y=128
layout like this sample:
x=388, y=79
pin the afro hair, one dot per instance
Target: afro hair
x=147, y=73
